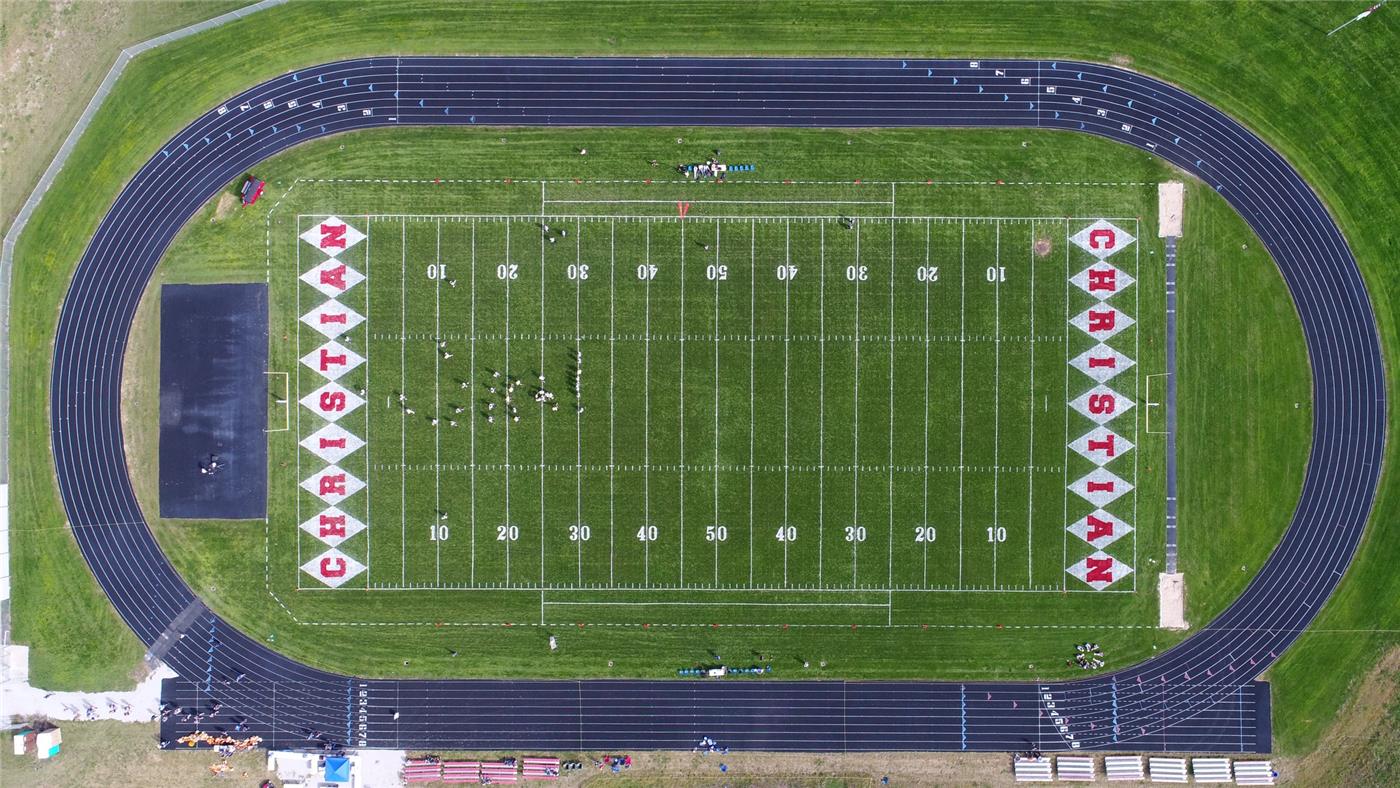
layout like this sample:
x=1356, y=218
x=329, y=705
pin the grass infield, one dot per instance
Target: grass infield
x=77, y=640
x=819, y=437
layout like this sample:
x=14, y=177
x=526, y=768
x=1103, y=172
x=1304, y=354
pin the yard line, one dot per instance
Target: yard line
x=996, y=403
x=682, y=410
x=821, y=397
x=541, y=415
x=889, y=577
x=437, y=396
x=753, y=278
x=962, y=379
x=1064, y=518
x=855, y=425
x=471, y=372
x=715, y=485
x=928, y=253
x=1137, y=383
x=646, y=418
x=506, y=419
x=296, y=289
x=403, y=412
x=787, y=312
x=720, y=202
x=578, y=420
x=1030, y=452
x=368, y=407
x=612, y=377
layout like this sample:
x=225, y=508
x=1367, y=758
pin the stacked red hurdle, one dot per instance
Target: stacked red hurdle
x=497, y=772
x=461, y=772
x=541, y=768
x=422, y=771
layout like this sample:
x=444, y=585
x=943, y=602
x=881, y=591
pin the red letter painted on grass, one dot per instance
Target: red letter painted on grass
x=1098, y=570
x=333, y=235
x=332, y=566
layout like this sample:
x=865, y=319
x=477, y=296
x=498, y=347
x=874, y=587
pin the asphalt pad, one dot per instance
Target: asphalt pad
x=213, y=401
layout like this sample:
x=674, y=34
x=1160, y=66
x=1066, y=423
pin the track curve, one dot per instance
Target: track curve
x=1199, y=695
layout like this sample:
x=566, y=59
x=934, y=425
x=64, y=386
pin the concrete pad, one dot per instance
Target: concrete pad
x=1171, y=600
x=1170, y=196
x=20, y=700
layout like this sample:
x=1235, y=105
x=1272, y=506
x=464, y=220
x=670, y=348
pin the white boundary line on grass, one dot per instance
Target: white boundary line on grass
x=889, y=575
x=472, y=401
x=369, y=405
x=855, y=421
x=508, y=181
x=996, y=403
x=403, y=412
x=890, y=469
x=715, y=483
x=437, y=396
x=286, y=399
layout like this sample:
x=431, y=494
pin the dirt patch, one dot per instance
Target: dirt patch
x=1042, y=247
x=226, y=205
x=1363, y=742
x=1120, y=60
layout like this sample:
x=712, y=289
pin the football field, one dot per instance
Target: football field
x=639, y=410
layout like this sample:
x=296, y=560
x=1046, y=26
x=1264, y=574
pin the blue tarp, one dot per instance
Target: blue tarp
x=337, y=770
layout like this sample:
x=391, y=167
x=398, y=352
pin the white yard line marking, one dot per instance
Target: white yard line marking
x=821, y=399
x=682, y=410
x=296, y=286
x=578, y=421
x=646, y=418
x=403, y=412
x=1137, y=388
x=1030, y=450
x=368, y=509
x=720, y=202
x=855, y=421
x=715, y=484
x=437, y=397
x=541, y=414
x=1064, y=517
x=505, y=417
x=753, y=279
x=928, y=254
x=962, y=380
x=787, y=329
x=889, y=576
x=996, y=405
x=612, y=399
x=471, y=373
x=629, y=603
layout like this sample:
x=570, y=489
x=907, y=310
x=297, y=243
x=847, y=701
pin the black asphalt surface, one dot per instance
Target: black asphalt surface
x=213, y=401
x=1199, y=695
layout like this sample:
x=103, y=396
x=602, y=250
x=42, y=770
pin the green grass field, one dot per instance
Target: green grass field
x=713, y=347
x=251, y=574
x=78, y=641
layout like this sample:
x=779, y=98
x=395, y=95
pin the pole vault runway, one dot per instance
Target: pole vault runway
x=1200, y=695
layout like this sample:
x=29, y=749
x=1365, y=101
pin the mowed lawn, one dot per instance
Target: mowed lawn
x=1011, y=633
x=765, y=403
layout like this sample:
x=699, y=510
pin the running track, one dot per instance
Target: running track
x=1200, y=695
